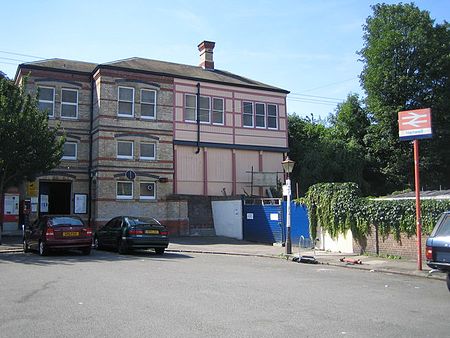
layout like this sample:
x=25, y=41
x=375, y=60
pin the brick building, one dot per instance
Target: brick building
x=139, y=132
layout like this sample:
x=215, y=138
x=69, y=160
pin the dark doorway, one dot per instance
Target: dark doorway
x=58, y=197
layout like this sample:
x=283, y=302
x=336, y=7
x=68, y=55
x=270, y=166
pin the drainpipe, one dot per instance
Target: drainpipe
x=198, y=118
x=90, y=174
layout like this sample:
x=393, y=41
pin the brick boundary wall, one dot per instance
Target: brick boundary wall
x=405, y=247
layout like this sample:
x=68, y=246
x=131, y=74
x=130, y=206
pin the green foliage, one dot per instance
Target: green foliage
x=321, y=156
x=350, y=122
x=28, y=146
x=338, y=207
x=406, y=66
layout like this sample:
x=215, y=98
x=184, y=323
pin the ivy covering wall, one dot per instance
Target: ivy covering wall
x=338, y=207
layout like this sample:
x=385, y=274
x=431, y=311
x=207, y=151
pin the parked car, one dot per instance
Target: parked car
x=56, y=232
x=438, y=246
x=126, y=233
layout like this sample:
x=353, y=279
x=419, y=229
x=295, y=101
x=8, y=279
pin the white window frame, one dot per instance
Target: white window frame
x=209, y=109
x=186, y=107
x=124, y=197
x=222, y=111
x=147, y=157
x=76, y=151
x=149, y=103
x=69, y=104
x=46, y=101
x=118, y=102
x=126, y=157
x=252, y=114
x=276, y=116
x=141, y=197
x=264, y=116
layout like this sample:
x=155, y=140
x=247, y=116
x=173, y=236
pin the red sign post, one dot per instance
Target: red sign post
x=414, y=125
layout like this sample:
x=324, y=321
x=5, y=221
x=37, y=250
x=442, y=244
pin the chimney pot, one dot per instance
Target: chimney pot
x=206, y=54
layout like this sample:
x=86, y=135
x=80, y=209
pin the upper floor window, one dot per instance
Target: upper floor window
x=147, y=151
x=148, y=103
x=126, y=102
x=260, y=115
x=147, y=190
x=205, y=109
x=69, y=151
x=125, y=149
x=248, y=114
x=217, y=113
x=124, y=190
x=190, y=110
x=69, y=103
x=272, y=116
x=47, y=100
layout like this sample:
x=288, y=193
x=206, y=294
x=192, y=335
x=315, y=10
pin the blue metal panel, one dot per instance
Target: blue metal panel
x=258, y=226
x=299, y=221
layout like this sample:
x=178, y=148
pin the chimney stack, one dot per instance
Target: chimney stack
x=206, y=54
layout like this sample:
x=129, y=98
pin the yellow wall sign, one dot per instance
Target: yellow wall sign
x=32, y=189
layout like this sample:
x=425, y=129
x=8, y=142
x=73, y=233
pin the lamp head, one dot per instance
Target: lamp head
x=288, y=165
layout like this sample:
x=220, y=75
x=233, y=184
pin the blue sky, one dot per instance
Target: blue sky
x=307, y=47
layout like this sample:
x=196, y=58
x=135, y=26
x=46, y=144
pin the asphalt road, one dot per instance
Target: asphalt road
x=201, y=295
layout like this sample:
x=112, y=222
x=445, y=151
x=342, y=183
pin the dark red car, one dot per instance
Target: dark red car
x=57, y=232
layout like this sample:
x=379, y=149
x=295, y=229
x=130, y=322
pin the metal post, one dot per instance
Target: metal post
x=288, y=217
x=418, y=215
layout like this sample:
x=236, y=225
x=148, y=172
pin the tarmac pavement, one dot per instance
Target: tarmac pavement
x=230, y=246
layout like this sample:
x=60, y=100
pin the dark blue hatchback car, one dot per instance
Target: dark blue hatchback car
x=438, y=246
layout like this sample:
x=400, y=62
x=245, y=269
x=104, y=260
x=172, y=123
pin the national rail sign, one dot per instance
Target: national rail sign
x=414, y=124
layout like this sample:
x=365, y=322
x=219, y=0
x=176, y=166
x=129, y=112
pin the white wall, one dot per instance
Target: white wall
x=227, y=217
x=343, y=243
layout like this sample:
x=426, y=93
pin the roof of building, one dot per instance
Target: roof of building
x=155, y=67
x=430, y=194
x=62, y=64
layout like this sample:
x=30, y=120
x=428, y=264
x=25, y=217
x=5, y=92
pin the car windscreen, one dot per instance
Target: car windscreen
x=64, y=221
x=443, y=229
x=134, y=221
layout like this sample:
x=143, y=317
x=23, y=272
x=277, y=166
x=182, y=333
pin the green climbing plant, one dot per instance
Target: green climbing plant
x=338, y=207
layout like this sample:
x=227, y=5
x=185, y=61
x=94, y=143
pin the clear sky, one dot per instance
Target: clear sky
x=306, y=46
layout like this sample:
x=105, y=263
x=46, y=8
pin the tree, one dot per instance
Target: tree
x=406, y=66
x=28, y=146
x=321, y=156
x=351, y=120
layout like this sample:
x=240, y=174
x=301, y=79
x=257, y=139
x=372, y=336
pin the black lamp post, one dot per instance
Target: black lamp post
x=288, y=166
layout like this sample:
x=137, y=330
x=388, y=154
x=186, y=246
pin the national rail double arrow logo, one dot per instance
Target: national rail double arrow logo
x=414, y=124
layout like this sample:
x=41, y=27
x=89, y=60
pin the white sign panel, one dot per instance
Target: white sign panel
x=44, y=203
x=80, y=203
x=274, y=217
x=34, y=203
x=249, y=215
x=11, y=205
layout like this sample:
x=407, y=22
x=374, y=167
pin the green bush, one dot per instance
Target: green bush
x=338, y=207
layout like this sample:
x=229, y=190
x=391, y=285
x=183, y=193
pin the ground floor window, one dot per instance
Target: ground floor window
x=147, y=190
x=124, y=190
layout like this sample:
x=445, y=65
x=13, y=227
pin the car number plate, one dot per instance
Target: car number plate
x=70, y=233
x=152, y=232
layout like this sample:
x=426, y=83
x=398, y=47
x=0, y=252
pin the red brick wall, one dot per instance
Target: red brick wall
x=405, y=247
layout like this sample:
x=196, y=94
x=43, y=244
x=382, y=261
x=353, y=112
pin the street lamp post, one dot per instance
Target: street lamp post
x=288, y=166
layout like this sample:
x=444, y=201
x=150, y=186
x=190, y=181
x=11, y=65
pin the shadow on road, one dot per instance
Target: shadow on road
x=70, y=257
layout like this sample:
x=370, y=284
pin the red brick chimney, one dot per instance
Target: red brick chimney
x=206, y=54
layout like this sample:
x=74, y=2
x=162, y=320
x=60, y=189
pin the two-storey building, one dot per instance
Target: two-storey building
x=139, y=131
